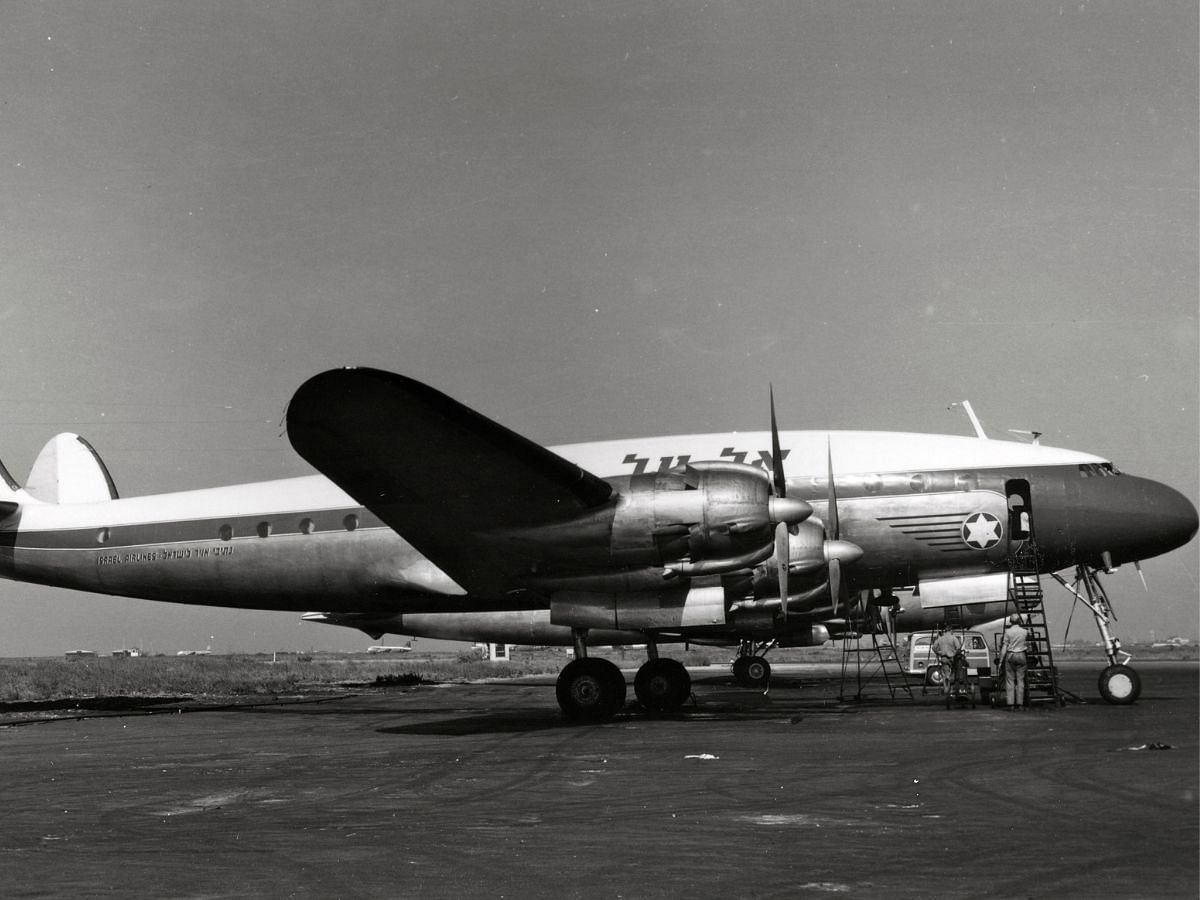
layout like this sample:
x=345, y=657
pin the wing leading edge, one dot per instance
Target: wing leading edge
x=437, y=472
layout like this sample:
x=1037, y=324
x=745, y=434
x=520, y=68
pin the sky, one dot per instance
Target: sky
x=589, y=221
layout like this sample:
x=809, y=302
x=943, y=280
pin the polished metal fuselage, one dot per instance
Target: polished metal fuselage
x=913, y=503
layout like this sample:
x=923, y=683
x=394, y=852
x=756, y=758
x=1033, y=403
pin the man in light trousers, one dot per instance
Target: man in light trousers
x=1013, y=663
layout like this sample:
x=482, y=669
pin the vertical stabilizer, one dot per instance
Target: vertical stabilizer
x=68, y=470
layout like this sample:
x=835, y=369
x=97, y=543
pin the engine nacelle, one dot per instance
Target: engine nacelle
x=706, y=511
x=808, y=636
x=707, y=518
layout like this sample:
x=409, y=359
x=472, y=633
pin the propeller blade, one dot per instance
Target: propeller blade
x=782, y=558
x=835, y=582
x=776, y=453
x=835, y=528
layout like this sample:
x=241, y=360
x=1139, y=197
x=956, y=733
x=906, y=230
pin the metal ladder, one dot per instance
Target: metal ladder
x=1026, y=598
x=877, y=663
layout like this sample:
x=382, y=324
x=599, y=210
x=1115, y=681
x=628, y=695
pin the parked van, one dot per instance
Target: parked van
x=921, y=660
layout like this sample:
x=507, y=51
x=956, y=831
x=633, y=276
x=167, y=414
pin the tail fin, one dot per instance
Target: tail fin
x=68, y=470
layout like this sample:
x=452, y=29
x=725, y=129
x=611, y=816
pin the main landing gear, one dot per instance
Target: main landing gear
x=593, y=690
x=750, y=668
x=590, y=689
x=662, y=685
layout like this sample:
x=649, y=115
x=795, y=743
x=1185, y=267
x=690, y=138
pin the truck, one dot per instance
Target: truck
x=920, y=660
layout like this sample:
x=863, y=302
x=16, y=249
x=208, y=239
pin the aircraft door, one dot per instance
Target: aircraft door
x=1020, y=509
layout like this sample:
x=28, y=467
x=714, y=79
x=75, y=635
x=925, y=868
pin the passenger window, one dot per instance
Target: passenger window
x=264, y=529
x=351, y=522
x=306, y=526
x=225, y=532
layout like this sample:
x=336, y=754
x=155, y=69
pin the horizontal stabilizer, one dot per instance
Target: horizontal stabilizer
x=68, y=470
x=440, y=474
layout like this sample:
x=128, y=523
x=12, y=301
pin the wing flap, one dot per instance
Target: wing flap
x=437, y=472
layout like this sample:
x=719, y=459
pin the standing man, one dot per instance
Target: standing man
x=948, y=645
x=1012, y=662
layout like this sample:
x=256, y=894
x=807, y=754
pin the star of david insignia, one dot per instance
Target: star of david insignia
x=981, y=530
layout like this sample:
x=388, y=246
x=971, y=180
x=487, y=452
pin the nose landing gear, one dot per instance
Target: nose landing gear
x=1119, y=684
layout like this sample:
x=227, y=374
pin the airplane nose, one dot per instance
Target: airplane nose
x=1131, y=518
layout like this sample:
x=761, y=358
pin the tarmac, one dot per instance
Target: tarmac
x=483, y=790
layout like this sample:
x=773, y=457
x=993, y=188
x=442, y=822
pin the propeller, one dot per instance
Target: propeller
x=836, y=550
x=779, y=483
x=782, y=554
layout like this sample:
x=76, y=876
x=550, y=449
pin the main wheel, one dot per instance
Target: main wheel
x=1120, y=685
x=590, y=690
x=662, y=685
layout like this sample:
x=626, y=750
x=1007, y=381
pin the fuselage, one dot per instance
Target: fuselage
x=921, y=507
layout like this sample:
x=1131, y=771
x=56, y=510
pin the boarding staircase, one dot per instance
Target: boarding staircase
x=869, y=657
x=1025, y=597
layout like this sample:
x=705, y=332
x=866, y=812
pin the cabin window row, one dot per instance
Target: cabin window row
x=262, y=529
x=919, y=483
x=306, y=526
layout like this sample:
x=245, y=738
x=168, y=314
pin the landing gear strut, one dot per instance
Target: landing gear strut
x=1119, y=684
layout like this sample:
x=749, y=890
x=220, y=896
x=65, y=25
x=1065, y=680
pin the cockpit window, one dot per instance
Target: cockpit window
x=1098, y=470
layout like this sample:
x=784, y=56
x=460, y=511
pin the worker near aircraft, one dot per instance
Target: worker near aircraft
x=1012, y=662
x=947, y=647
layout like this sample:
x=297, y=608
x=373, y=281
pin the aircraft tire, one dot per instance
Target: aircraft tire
x=756, y=673
x=590, y=690
x=662, y=685
x=1120, y=685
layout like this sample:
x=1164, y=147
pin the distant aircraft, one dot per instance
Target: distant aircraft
x=390, y=648
x=431, y=520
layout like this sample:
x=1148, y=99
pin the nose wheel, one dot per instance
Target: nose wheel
x=1120, y=685
x=751, y=671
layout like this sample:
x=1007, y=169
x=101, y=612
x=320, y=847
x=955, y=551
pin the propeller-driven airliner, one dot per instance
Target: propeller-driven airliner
x=429, y=519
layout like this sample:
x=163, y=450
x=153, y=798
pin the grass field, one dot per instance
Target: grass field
x=50, y=678
x=24, y=680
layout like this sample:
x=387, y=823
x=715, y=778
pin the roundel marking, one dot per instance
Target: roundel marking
x=981, y=531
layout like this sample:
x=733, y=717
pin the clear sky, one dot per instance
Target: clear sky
x=591, y=220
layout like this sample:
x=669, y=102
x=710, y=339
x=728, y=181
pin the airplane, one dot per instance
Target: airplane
x=390, y=648
x=429, y=519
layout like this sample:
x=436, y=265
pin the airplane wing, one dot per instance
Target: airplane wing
x=438, y=473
